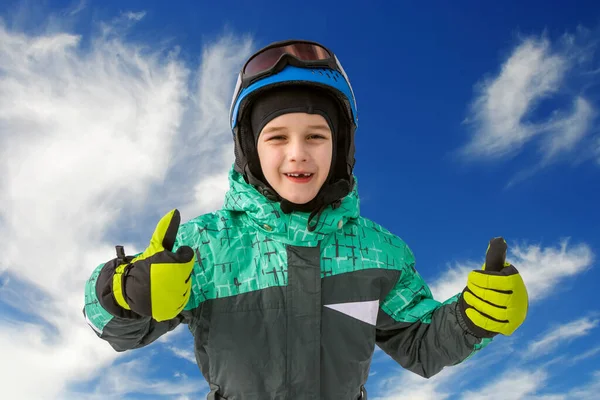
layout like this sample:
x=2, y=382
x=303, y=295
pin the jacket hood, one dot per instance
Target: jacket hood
x=293, y=227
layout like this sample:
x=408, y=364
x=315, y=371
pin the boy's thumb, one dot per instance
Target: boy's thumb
x=495, y=256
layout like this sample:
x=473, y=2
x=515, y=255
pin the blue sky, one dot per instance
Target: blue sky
x=474, y=121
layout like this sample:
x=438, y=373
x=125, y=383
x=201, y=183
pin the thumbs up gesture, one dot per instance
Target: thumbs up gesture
x=495, y=299
x=157, y=282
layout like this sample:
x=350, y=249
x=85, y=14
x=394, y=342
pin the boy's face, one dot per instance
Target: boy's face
x=296, y=143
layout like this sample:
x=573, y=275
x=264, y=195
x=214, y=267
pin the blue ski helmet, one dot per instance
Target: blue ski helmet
x=295, y=63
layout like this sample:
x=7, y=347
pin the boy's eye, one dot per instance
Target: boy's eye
x=282, y=137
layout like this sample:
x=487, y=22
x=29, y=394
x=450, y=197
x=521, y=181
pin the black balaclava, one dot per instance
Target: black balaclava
x=279, y=101
x=273, y=102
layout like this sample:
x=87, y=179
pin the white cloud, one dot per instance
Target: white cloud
x=498, y=372
x=453, y=280
x=504, y=116
x=514, y=385
x=407, y=385
x=186, y=354
x=531, y=73
x=565, y=132
x=210, y=148
x=558, y=335
x=132, y=377
x=77, y=8
x=89, y=140
x=557, y=263
x=569, y=360
x=588, y=354
x=447, y=384
x=587, y=392
x=541, y=269
x=523, y=384
x=135, y=16
x=197, y=180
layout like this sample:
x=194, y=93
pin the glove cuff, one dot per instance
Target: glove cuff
x=465, y=322
x=105, y=291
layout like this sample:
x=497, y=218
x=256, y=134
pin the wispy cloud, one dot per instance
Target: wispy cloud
x=541, y=268
x=498, y=372
x=91, y=137
x=511, y=108
x=207, y=148
x=531, y=73
x=514, y=385
x=186, y=354
x=570, y=360
x=557, y=264
x=135, y=16
x=133, y=377
x=407, y=385
x=77, y=8
x=524, y=384
x=449, y=383
x=453, y=280
x=588, y=354
x=558, y=335
x=587, y=392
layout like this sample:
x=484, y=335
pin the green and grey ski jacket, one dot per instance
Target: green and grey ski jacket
x=279, y=312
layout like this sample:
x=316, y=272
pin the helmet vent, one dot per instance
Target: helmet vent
x=328, y=73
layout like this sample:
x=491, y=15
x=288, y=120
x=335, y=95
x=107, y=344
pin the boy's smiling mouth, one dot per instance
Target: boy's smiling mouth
x=299, y=177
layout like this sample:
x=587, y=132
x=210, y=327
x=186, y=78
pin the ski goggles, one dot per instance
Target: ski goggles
x=276, y=56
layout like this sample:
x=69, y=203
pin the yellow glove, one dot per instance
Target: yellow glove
x=495, y=299
x=157, y=282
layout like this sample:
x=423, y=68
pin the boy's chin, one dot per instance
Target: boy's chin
x=300, y=198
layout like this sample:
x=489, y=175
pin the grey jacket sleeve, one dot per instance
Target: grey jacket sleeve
x=420, y=333
x=122, y=329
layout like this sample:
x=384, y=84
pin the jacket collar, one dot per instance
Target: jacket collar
x=292, y=228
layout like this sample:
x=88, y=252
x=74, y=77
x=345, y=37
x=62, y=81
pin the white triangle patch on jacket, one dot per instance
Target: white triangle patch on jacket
x=365, y=311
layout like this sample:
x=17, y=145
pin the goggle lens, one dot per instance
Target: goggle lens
x=267, y=59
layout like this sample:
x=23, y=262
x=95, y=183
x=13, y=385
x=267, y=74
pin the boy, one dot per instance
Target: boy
x=287, y=289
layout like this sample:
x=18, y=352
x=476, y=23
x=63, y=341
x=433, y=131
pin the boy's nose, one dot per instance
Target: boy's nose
x=298, y=151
